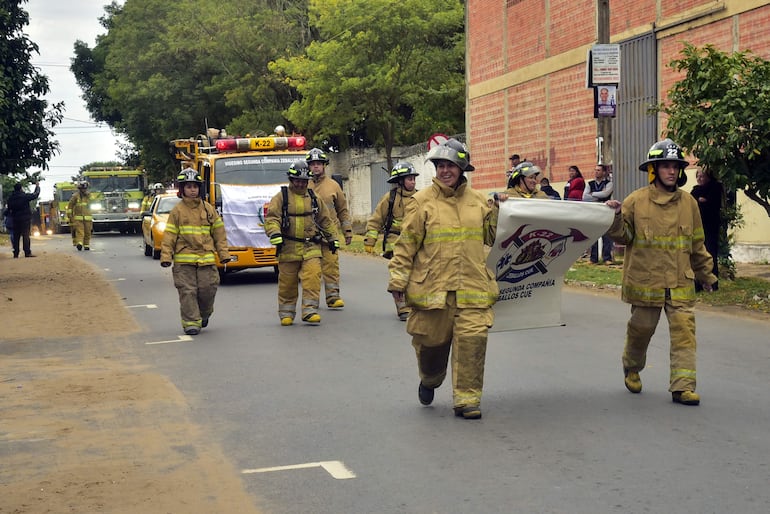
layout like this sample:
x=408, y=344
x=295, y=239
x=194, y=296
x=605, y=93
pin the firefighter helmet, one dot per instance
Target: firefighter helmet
x=316, y=155
x=401, y=170
x=524, y=169
x=299, y=170
x=189, y=175
x=158, y=187
x=665, y=150
x=453, y=151
x=82, y=184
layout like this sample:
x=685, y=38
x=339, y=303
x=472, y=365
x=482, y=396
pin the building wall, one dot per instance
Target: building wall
x=526, y=67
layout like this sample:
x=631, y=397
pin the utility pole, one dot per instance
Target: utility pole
x=604, y=124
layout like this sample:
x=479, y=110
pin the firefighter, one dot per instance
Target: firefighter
x=79, y=214
x=523, y=182
x=155, y=190
x=194, y=239
x=330, y=193
x=438, y=265
x=388, y=216
x=661, y=229
x=299, y=225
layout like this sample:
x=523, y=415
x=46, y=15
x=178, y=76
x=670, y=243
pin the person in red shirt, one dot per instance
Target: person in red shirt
x=575, y=185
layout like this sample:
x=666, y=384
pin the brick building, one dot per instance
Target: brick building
x=526, y=69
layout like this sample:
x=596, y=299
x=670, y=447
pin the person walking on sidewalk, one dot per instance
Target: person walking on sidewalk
x=439, y=268
x=331, y=194
x=661, y=228
x=21, y=218
x=194, y=239
x=79, y=213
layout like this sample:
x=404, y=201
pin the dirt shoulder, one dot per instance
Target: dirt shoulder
x=83, y=426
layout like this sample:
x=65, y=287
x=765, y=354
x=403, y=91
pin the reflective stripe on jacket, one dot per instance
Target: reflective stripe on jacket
x=79, y=207
x=330, y=193
x=376, y=224
x=665, y=247
x=301, y=225
x=195, y=235
x=441, y=248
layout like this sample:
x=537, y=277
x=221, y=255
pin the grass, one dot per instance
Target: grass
x=749, y=293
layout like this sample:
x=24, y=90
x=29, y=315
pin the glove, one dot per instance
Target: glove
x=276, y=239
x=225, y=261
x=348, y=239
x=369, y=249
x=165, y=264
x=334, y=246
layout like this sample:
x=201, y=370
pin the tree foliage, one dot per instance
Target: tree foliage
x=26, y=121
x=157, y=76
x=392, y=72
x=720, y=113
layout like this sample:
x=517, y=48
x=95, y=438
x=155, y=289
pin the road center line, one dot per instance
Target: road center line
x=148, y=306
x=335, y=468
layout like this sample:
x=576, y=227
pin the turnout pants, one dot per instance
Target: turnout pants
x=464, y=332
x=290, y=274
x=83, y=229
x=330, y=265
x=197, y=288
x=681, y=322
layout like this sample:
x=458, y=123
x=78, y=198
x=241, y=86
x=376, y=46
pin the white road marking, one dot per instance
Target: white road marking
x=116, y=280
x=335, y=468
x=180, y=340
x=148, y=306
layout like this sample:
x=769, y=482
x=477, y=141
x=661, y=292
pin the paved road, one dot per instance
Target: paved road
x=559, y=434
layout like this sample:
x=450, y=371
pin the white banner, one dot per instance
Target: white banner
x=537, y=241
x=243, y=213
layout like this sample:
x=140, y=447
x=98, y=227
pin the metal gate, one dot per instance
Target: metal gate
x=379, y=185
x=635, y=129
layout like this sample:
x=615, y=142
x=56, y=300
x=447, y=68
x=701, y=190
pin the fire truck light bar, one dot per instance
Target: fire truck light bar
x=243, y=144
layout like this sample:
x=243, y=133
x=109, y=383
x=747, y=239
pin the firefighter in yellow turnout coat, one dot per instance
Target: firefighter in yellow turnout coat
x=660, y=226
x=194, y=240
x=388, y=216
x=439, y=265
x=523, y=182
x=79, y=214
x=299, y=225
x=331, y=194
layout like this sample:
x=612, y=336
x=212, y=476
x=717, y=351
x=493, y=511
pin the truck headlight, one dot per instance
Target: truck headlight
x=96, y=207
x=133, y=205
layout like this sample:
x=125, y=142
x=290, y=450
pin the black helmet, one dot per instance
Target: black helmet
x=401, y=170
x=454, y=151
x=665, y=150
x=189, y=175
x=316, y=155
x=299, y=170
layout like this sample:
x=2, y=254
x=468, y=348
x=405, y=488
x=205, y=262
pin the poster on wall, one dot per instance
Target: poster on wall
x=605, y=101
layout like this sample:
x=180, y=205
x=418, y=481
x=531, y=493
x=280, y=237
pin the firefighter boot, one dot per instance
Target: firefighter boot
x=425, y=394
x=335, y=304
x=468, y=412
x=312, y=319
x=685, y=397
x=79, y=247
x=633, y=382
x=287, y=321
x=204, y=321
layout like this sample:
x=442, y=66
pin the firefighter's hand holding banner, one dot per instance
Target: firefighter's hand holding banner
x=537, y=242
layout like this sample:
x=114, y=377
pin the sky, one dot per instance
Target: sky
x=55, y=25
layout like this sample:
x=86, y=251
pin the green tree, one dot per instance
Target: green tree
x=26, y=121
x=390, y=71
x=720, y=113
x=157, y=76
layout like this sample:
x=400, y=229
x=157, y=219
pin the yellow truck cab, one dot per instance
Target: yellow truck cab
x=62, y=192
x=116, y=198
x=240, y=176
